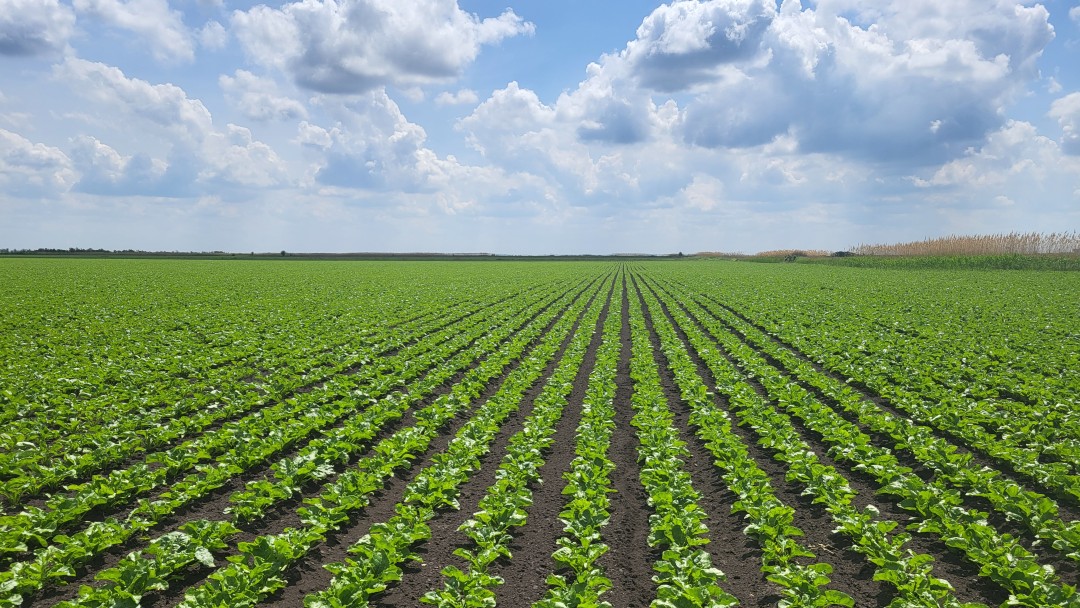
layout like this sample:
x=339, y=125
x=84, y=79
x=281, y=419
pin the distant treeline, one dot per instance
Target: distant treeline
x=136, y=253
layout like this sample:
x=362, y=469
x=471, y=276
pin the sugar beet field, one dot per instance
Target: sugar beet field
x=216, y=433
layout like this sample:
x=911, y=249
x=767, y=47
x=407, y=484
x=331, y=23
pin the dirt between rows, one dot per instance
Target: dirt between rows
x=213, y=505
x=851, y=569
x=438, y=551
x=629, y=560
x=1066, y=570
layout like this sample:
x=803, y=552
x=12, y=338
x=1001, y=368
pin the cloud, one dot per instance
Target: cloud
x=151, y=20
x=882, y=81
x=258, y=98
x=617, y=121
x=995, y=27
x=224, y=162
x=164, y=105
x=34, y=27
x=770, y=120
x=374, y=150
x=684, y=43
x=1067, y=112
x=29, y=169
x=373, y=146
x=201, y=158
x=213, y=36
x=355, y=46
x=314, y=136
x=605, y=108
x=704, y=192
x=1015, y=150
x=845, y=78
x=462, y=97
x=234, y=158
x=522, y=134
x=104, y=171
x=511, y=110
x=1074, y=14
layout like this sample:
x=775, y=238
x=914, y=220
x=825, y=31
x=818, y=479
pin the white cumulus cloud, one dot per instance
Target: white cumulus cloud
x=373, y=146
x=153, y=21
x=683, y=43
x=881, y=81
x=213, y=36
x=165, y=105
x=1015, y=150
x=1067, y=112
x=34, y=27
x=462, y=97
x=201, y=156
x=29, y=169
x=235, y=158
x=258, y=97
x=354, y=46
x=105, y=171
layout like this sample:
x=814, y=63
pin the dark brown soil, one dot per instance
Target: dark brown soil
x=438, y=551
x=733, y=552
x=963, y=575
x=1066, y=569
x=629, y=560
x=310, y=576
x=213, y=505
x=526, y=572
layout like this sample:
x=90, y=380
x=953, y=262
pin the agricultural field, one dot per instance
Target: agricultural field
x=229, y=433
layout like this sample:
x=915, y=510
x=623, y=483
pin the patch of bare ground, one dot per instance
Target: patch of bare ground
x=948, y=564
x=437, y=552
x=731, y=551
x=212, y=506
x=1068, y=504
x=628, y=562
x=1067, y=570
x=309, y=576
x=526, y=573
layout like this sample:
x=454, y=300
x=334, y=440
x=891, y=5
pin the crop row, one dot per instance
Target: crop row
x=380, y=552
x=254, y=445
x=1037, y=512
x=999, y=556
x=504, y=504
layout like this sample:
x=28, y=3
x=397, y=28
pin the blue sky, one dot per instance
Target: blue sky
x=534, y=127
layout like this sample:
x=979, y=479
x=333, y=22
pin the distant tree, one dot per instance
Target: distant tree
x=282, y=253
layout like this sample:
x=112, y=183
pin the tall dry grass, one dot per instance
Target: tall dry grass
x=987, y=244
x=810, y=253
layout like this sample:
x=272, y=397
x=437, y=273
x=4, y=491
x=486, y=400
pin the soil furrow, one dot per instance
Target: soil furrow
x=309, y=575
x=628, y=562
x=302, y=389
x=733, y=552
x=525, y=575
x=1067, y=569
x=437, y=552
x=284, y=514
x=1068, y=505
x=948, y=564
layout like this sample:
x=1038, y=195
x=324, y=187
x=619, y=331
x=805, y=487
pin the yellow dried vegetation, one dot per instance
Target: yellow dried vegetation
x=988, y=244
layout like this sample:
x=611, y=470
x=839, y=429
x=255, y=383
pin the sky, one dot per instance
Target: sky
x=534, y=126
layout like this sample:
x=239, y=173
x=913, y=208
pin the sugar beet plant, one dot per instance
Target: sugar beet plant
x=210, y=433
